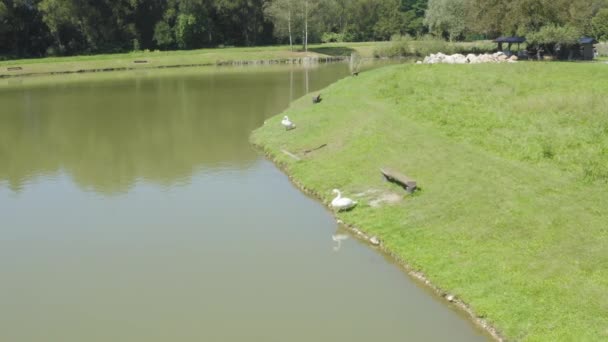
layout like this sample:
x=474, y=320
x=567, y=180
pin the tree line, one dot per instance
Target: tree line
x=538, y=20
x=31, y=28
x=68, y=27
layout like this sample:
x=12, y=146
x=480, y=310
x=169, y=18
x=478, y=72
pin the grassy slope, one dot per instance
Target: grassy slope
x=513, y=162
x=172, y=58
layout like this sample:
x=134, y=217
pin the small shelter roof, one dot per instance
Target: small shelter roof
x=587, y=40
x=510, y=40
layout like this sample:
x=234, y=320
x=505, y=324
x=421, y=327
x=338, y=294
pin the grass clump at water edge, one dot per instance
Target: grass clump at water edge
x=513, y=163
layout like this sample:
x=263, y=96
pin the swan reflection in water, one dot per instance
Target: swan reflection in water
x=338, y=238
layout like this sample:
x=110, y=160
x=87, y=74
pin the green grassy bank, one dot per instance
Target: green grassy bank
x=156, y=59
x=512, y=160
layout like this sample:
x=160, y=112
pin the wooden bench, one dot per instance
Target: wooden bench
x=399, y=178
x=317, y=99
x=140, y=62
x=14, y=68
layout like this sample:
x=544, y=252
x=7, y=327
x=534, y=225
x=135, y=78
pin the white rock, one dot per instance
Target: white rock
x=459, y=59
x=450, y=298
x=374, y=241
x=498, y=57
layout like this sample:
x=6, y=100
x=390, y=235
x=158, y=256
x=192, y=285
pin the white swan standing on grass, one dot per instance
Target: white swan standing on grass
x=342, y=203
x=287, y=123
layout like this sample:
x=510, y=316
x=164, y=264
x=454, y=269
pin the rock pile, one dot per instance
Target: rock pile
x=497, y=57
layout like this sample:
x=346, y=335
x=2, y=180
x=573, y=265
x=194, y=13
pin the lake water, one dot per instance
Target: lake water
x=132, y=208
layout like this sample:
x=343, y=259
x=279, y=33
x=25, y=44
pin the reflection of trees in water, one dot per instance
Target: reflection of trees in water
x=107, y=135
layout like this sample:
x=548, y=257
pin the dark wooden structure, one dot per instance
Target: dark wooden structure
x=140, y=61
x=317, y=99
x=392, y=176
x=14, y=68
x=510, y=41
x=583, y=49
x=586, y=48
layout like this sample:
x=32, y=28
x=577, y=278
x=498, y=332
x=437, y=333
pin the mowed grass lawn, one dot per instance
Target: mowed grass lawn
x=512, y=160
x=178, y=58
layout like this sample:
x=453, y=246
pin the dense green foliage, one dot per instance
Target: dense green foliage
x=512, y=213
x=406, y=46
x=68, y=27
x=600, y=24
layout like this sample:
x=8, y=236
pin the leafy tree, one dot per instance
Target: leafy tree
x=282, y=13
x=555, y=39
x=244, y=16
x=494, y=17
x=22, y=31
x=39, y=27
x=488, y=17
x=164, y=35
x=390, y=21
x=413, y=14
x=600, y=24
x=59, y=17
x=567, y=35
x=186, y=31
x=446, y=17
x=148, y=13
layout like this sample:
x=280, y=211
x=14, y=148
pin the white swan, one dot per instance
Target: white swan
x=342, y=203
x=287, y=123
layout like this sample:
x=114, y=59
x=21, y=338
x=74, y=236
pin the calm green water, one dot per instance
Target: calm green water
x=132, y=208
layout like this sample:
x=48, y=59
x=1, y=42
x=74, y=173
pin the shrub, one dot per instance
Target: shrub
x=332, y=37
x=554, y=39
x=398, y=47
x=430, y=44
x=553, y=34
x=406, y=46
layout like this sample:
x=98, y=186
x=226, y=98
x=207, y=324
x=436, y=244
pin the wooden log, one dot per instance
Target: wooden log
x=399, y=178
x=14, y=68
x=140, y=61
